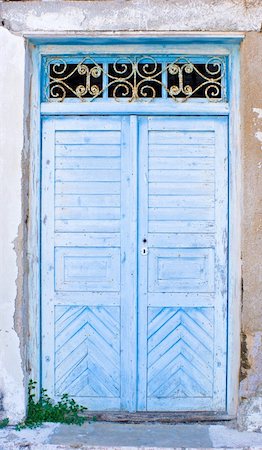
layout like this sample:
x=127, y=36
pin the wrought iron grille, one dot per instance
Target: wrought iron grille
x=135, y=78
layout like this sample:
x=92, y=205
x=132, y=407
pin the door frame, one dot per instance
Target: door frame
x=200, y=44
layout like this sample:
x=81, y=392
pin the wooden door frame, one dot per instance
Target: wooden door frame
x=184, y=43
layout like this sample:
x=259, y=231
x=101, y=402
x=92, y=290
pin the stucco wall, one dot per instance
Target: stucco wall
x=251, y=97
x=122, y=15
x=54, y=17
x=12, y=56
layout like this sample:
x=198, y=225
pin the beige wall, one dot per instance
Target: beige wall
x=251, y=117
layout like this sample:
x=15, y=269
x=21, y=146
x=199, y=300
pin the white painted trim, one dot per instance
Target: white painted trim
x=33, y=247
x=235, y=175
x=234, y=260
x=175, y=108
x=35, y=36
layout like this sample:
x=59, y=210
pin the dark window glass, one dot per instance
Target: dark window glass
x=142, y=80
x=195, y=81
x=72, y=80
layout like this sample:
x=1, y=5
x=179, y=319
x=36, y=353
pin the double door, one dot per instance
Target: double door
x=134, y=261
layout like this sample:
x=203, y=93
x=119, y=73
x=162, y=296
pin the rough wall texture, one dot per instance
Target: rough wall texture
x=122, y=15
x=251, y=371
x=12, y=56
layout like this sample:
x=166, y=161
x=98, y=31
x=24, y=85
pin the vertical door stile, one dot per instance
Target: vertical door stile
x=221, y=245
x=142, y=262
x=47, y=243
x=129, y=263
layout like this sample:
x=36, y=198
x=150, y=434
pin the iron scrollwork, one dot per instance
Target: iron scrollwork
x=135, y=78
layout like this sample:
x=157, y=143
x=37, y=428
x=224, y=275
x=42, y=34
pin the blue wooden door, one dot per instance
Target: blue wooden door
x=183, y=268
x=134, y=261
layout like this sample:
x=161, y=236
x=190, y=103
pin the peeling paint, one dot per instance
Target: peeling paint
x=258, y=111
x=11, y=144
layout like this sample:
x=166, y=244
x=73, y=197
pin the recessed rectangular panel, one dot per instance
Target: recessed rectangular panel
x=180, y=270
x=87, y=269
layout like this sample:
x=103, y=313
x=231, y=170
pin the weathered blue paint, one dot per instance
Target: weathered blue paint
x=134, y=261
x=182, y=281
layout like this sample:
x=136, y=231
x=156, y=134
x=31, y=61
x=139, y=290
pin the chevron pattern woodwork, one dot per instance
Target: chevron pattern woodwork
x=180, y=352
x=87, y=353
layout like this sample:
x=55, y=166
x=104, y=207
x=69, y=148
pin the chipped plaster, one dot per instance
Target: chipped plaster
x=258, y=134
x=123, y=15
x=11, y=143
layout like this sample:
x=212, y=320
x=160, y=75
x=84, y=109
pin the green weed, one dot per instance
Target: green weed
x=4, y=423
x=45, y=410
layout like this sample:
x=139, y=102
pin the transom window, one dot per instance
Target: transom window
x=134, y=78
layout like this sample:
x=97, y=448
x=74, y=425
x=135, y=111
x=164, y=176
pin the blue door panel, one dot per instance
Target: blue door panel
x=83, y=260
x=183, y=270
x=134, y=261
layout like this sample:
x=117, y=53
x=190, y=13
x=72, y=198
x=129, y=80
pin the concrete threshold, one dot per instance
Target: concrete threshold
x=120, y=436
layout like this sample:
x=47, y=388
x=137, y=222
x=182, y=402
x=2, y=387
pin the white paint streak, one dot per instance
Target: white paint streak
x=11, y=143
x=258, y=134
x=258, y=111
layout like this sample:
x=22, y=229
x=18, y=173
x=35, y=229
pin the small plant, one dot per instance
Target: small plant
x=4, y=423
x=45, y=410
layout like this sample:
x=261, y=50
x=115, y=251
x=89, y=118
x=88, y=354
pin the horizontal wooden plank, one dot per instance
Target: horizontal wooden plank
x=89, y=123
x=105, y=150
x=87, y=298
x=87, y=163
x=87, y=137
x=177, y=150
x=87, y=200
x=181, y=137
x=182, y=176
x=87, y=213
x=197, y=214
x=82, y=226
x=82, y=187
x=177, y=299
x=181, y=404
x=87, y=239
x=181, y=163
x=181, y=188
x=178, y=226
x=87, y=175
x=173, y=201
x=187, y=240
x=180, y=123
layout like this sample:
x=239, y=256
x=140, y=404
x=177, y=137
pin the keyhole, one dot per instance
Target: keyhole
x=144, y=251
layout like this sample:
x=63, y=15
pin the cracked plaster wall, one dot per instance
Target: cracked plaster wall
x=121, y=15
x=250, y=413
x=12, y=56
x=50, y=16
